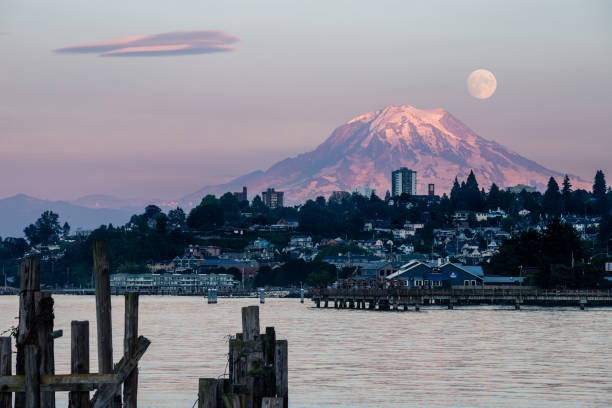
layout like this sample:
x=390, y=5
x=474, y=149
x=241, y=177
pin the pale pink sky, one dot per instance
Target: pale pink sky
x=199, y=92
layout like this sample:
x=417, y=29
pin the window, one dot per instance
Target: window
x=466, y=283
x=473, y=283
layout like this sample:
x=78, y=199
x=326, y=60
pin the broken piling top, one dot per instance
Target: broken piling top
x=250, y=322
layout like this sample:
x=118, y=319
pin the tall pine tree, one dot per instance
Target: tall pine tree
x=551, y=202
x=599, y=193
x=566, y=195
x=599, y=187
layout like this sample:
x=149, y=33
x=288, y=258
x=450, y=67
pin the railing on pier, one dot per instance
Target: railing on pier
x=457, y=291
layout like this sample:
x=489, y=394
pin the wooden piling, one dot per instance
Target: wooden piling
x=79, y=360
x=281, y=371
x=250, y=322
x=44, y=328
x=207, y=393
x=6, y=367
x=130, y=386
x=32, y=376
x=270, y=402
x=103, y=312
x=103, y=307
x=26, y=329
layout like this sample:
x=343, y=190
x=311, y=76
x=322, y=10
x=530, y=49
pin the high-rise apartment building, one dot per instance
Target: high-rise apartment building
x=241, y=195
x=403, y=181
x=272, y=198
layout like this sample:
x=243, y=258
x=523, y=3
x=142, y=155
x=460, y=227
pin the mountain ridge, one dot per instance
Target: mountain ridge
x=365, y=149
x=20, y=210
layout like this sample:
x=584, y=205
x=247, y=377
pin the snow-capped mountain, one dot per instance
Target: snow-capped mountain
x=367, y=148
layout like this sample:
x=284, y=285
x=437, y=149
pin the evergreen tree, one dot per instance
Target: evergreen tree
x=177, y=218
x=566, y=194
x=258, y=205
x=551, y=202
x=602, y=204
x=46, y=229
x=455, y=194
x=472, y=193
x=494, y=199
x=66, y=229
x=599, y=187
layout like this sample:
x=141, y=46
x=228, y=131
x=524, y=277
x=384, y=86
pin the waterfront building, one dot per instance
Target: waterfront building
x=403, y=180
x=423, y=274
x=170, y=282
x=272, y=198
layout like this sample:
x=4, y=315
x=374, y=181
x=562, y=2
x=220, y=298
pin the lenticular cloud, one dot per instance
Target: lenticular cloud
x=172, y=43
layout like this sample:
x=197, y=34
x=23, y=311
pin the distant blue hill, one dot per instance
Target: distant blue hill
x=19, y=211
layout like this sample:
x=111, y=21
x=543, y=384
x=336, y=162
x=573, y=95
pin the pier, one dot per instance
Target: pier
x=405, y=298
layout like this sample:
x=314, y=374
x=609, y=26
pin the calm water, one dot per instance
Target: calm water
x=471, y=357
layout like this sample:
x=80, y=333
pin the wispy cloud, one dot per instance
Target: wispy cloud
x=172, y=43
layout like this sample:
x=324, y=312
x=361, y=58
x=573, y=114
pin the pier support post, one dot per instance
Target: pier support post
x=451, y=304
x=32, y=376
x=44, y=328
x=30, y=286
x=130, y=339
x=250, y=322
x=281, y=370
x=583, y=303
x=79, y=360
x=517, y=304
x=6, y=367
x=326, y=303
x=207, y=393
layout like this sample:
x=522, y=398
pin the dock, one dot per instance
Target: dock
x=405, y=298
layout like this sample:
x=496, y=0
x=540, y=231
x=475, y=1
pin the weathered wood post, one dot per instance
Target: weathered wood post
x=32, y=376
x=262, y=296
x=250, y=322
x=281, y=371
x=302, y=297
x=26, y=330
x=270, y=402
x=103, y=311
x=130, y=338
x=207, y=393
x=44, y=319
x=6, y=367
x=79, y=360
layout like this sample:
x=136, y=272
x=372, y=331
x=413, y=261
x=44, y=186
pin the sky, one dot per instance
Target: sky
x=246, y=84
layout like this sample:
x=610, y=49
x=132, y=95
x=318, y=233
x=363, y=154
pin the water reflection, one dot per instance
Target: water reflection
x=472, y=357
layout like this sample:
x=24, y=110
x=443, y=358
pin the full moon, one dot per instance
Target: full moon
x=481, y=84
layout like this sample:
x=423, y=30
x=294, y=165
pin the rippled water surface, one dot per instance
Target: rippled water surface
x=467, y=357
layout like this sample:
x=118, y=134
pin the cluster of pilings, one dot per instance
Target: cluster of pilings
x=36, y=383
x=258, y=370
